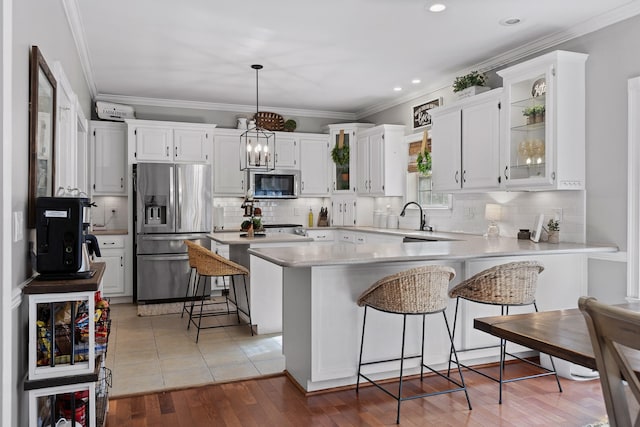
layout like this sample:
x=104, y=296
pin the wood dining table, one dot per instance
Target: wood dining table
x=558, y=333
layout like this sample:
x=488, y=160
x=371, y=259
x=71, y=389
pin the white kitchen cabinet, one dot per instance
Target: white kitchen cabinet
x=287, y=151
x=465, y=144
x=158, y=141
x=325, y=236
x=108, y=158
x=381, y=156
x=343, y=211
x=314, y=165
x=345, y=176
x=113, y=254
x=546, y=149
x=192, y=145
x=228, y=179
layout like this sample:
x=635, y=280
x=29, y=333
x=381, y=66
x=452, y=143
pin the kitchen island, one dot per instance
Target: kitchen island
x=265, y=289
x=322, y=323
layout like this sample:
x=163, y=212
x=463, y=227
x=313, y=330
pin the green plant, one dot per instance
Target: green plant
x=529, y=111
x=474, y=78
x=538, y=109
x=340, y=156
x=553, y=225
x=424, y=162
x=290, y=125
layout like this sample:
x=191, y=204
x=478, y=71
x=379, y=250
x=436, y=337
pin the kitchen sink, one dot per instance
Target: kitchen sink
x=408, y=239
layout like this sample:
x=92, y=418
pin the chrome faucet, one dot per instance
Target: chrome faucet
x=423, y=221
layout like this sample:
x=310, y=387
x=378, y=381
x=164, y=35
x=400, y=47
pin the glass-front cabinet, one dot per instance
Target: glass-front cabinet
x=544, y=127
x=342, y=148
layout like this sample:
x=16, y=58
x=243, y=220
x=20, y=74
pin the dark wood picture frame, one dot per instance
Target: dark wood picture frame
x=420, y=113
x=42, y=131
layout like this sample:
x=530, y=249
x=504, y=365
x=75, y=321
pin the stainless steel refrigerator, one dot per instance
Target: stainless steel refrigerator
x=173, y=204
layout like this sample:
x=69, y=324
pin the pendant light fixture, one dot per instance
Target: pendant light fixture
x=257, y=145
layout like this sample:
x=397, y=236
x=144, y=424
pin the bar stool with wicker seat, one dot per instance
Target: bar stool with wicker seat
x=418, y=291
x=192, y=247
x=506, y=285
x=209, y=264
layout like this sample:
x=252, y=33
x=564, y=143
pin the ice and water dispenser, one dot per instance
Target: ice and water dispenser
x=155, y=210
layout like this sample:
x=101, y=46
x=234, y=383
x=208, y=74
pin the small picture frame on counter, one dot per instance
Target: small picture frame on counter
x=537, y=228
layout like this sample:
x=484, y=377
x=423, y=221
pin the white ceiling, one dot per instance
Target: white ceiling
x=332, y=55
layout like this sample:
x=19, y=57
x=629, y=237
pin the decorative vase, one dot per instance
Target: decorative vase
x=554, y=237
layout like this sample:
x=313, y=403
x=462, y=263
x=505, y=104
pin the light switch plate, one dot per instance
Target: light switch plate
x=18, y=226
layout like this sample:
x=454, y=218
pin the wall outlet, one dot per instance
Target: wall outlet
x=557, y=214
x=111, y=211
x=296, y=211
x=18, y=226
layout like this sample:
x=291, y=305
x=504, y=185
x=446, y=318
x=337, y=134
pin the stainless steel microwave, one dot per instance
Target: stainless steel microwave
x=277, y=184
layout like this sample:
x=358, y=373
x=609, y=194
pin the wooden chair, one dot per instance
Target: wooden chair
x=418, y=291
x=210, y=264
x=506, y=285
x=615, y=334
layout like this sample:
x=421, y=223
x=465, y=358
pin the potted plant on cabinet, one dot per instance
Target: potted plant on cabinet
x=470, y=84
x=553, y=231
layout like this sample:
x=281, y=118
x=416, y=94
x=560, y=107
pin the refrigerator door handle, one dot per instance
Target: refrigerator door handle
x=179, y=190
x=166, y=257
x=175, y=237
x=172, y=200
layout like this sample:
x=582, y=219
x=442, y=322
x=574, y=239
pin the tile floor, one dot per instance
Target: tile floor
x=153, y=353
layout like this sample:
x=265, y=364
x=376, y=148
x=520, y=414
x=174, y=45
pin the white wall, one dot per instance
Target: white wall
x=41, y=23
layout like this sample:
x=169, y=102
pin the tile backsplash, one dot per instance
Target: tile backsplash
x=519, y=210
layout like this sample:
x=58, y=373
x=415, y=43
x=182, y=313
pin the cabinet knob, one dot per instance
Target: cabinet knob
x=121, y=182
x=456, y=177
x=464, y=176
x=506, y=169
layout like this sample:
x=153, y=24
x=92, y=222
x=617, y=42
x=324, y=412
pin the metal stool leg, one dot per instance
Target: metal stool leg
x=453, y=334
x=226, y=294
x=246, y=295
x=424, y=320
x=186, y=294
x=233, y=284
x=201, y=306
x=194, y=295
x=364, y=322
x=455, y=355
x=404, y=328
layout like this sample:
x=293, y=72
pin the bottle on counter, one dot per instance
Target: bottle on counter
x=310, y=217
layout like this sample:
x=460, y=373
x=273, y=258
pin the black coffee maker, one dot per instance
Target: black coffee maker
x=63, y=243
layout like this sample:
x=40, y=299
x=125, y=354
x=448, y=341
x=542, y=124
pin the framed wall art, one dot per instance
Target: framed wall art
x=421, y=116
x=42, y=123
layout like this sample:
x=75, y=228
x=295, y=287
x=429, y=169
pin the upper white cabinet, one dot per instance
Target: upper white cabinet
x=287, y=151
x=344, y=176
x=228, y=179
x=544, y=142
x=465, y=144
x=158, y=141
x=314, y=165
x=108, y=158
x=343, y=210
x=381, y=157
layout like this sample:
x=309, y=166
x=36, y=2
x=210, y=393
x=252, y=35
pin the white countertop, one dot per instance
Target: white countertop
x=233, y=238
x=465, y=247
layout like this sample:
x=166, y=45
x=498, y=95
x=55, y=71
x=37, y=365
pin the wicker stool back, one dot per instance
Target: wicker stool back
x=415, y=291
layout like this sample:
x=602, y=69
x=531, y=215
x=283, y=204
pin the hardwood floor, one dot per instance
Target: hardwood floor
x=275, y=401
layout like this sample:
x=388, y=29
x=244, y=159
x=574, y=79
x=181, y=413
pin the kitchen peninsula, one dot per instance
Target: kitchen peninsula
x=265, y=290
x=322, y=323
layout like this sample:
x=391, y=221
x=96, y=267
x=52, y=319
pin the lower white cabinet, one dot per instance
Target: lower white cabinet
x=113, y=254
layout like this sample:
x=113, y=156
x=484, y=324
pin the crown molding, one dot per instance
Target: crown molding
x=536, y=46
x=198, y=105
x=77, y=30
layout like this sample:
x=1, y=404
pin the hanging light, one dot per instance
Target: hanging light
x=257, y=144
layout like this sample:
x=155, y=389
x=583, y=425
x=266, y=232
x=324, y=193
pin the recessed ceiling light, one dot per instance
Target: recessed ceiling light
x=507, y=22
x=397, y=88
x=437, y=7
x=415, y=81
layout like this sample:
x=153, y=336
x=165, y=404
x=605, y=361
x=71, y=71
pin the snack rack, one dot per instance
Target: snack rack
x=67, y=346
